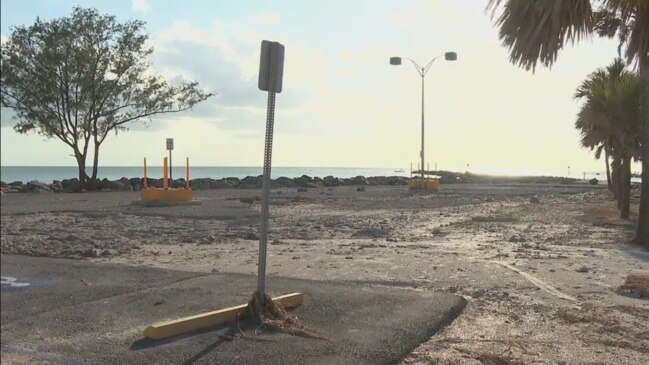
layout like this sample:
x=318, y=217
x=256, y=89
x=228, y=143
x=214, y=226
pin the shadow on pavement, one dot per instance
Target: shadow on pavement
x=231, y=331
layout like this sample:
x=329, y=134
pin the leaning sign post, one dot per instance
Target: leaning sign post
x=271, y=70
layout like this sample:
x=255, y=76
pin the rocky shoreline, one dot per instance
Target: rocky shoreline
x=255, y=182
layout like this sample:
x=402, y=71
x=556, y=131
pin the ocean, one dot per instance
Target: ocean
x=47, y=174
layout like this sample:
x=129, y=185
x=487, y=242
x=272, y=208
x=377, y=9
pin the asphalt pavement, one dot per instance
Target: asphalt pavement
x=73, y=311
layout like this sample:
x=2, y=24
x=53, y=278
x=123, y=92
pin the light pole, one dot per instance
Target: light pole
x=449, y=56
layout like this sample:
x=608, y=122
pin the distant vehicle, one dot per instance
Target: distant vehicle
x=399, y=170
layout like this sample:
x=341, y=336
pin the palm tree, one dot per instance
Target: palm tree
x=610, y=119
x=536, y=30
x=597, y=140
x=593, y=136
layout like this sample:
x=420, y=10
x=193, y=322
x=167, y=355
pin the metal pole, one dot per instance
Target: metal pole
x=422, y=122
x=146, y=185
x=170, y=169
x=263, y=235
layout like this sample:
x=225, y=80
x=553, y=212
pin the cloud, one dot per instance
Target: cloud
x=141, y=6
x=223, y=58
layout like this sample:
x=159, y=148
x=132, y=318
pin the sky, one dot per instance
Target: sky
x=342, y=104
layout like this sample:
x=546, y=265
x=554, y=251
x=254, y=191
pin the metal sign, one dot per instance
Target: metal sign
x=170, y=144
x=271, y=66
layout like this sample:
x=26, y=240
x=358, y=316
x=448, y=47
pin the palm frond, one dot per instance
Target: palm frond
x=607, y=23
x=535, y=31
x=634, y=15
x=599, y=150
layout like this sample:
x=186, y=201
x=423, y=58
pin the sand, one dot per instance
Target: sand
x=541, y=265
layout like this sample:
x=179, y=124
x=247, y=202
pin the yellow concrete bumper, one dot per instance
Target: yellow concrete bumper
x=212, y=319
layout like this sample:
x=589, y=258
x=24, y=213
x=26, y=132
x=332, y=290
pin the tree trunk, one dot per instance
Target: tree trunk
x=620, y=185
x=95, y=166
x=608, y=170
x=615, y=178
x=81, y=164
x=82, y=169
x=642, y=232
x=625, y=187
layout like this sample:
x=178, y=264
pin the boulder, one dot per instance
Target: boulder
x=358, y=180
x=93, y=252
x=178, y=183
x=317, y=182
x=16, y=183
x=106, y=184
x=394, y=180
x=126, y=183
x=71, y=185
x=233, y=181
x=201, y=183
x=221, y=184
x=251, y=182
x=135, y=181
x=36, y=186
x=330, y=181
x=284, y=182
x=10, y=189
x=56, y=186
x=376, y=180
x=304, y=181
x=154, y=183
x=399, y=180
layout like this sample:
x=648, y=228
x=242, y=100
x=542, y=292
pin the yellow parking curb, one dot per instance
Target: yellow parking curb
x=214, y=318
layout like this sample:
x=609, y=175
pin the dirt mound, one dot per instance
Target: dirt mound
x=635, y=286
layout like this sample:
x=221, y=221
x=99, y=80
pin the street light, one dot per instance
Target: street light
x=396, y=61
